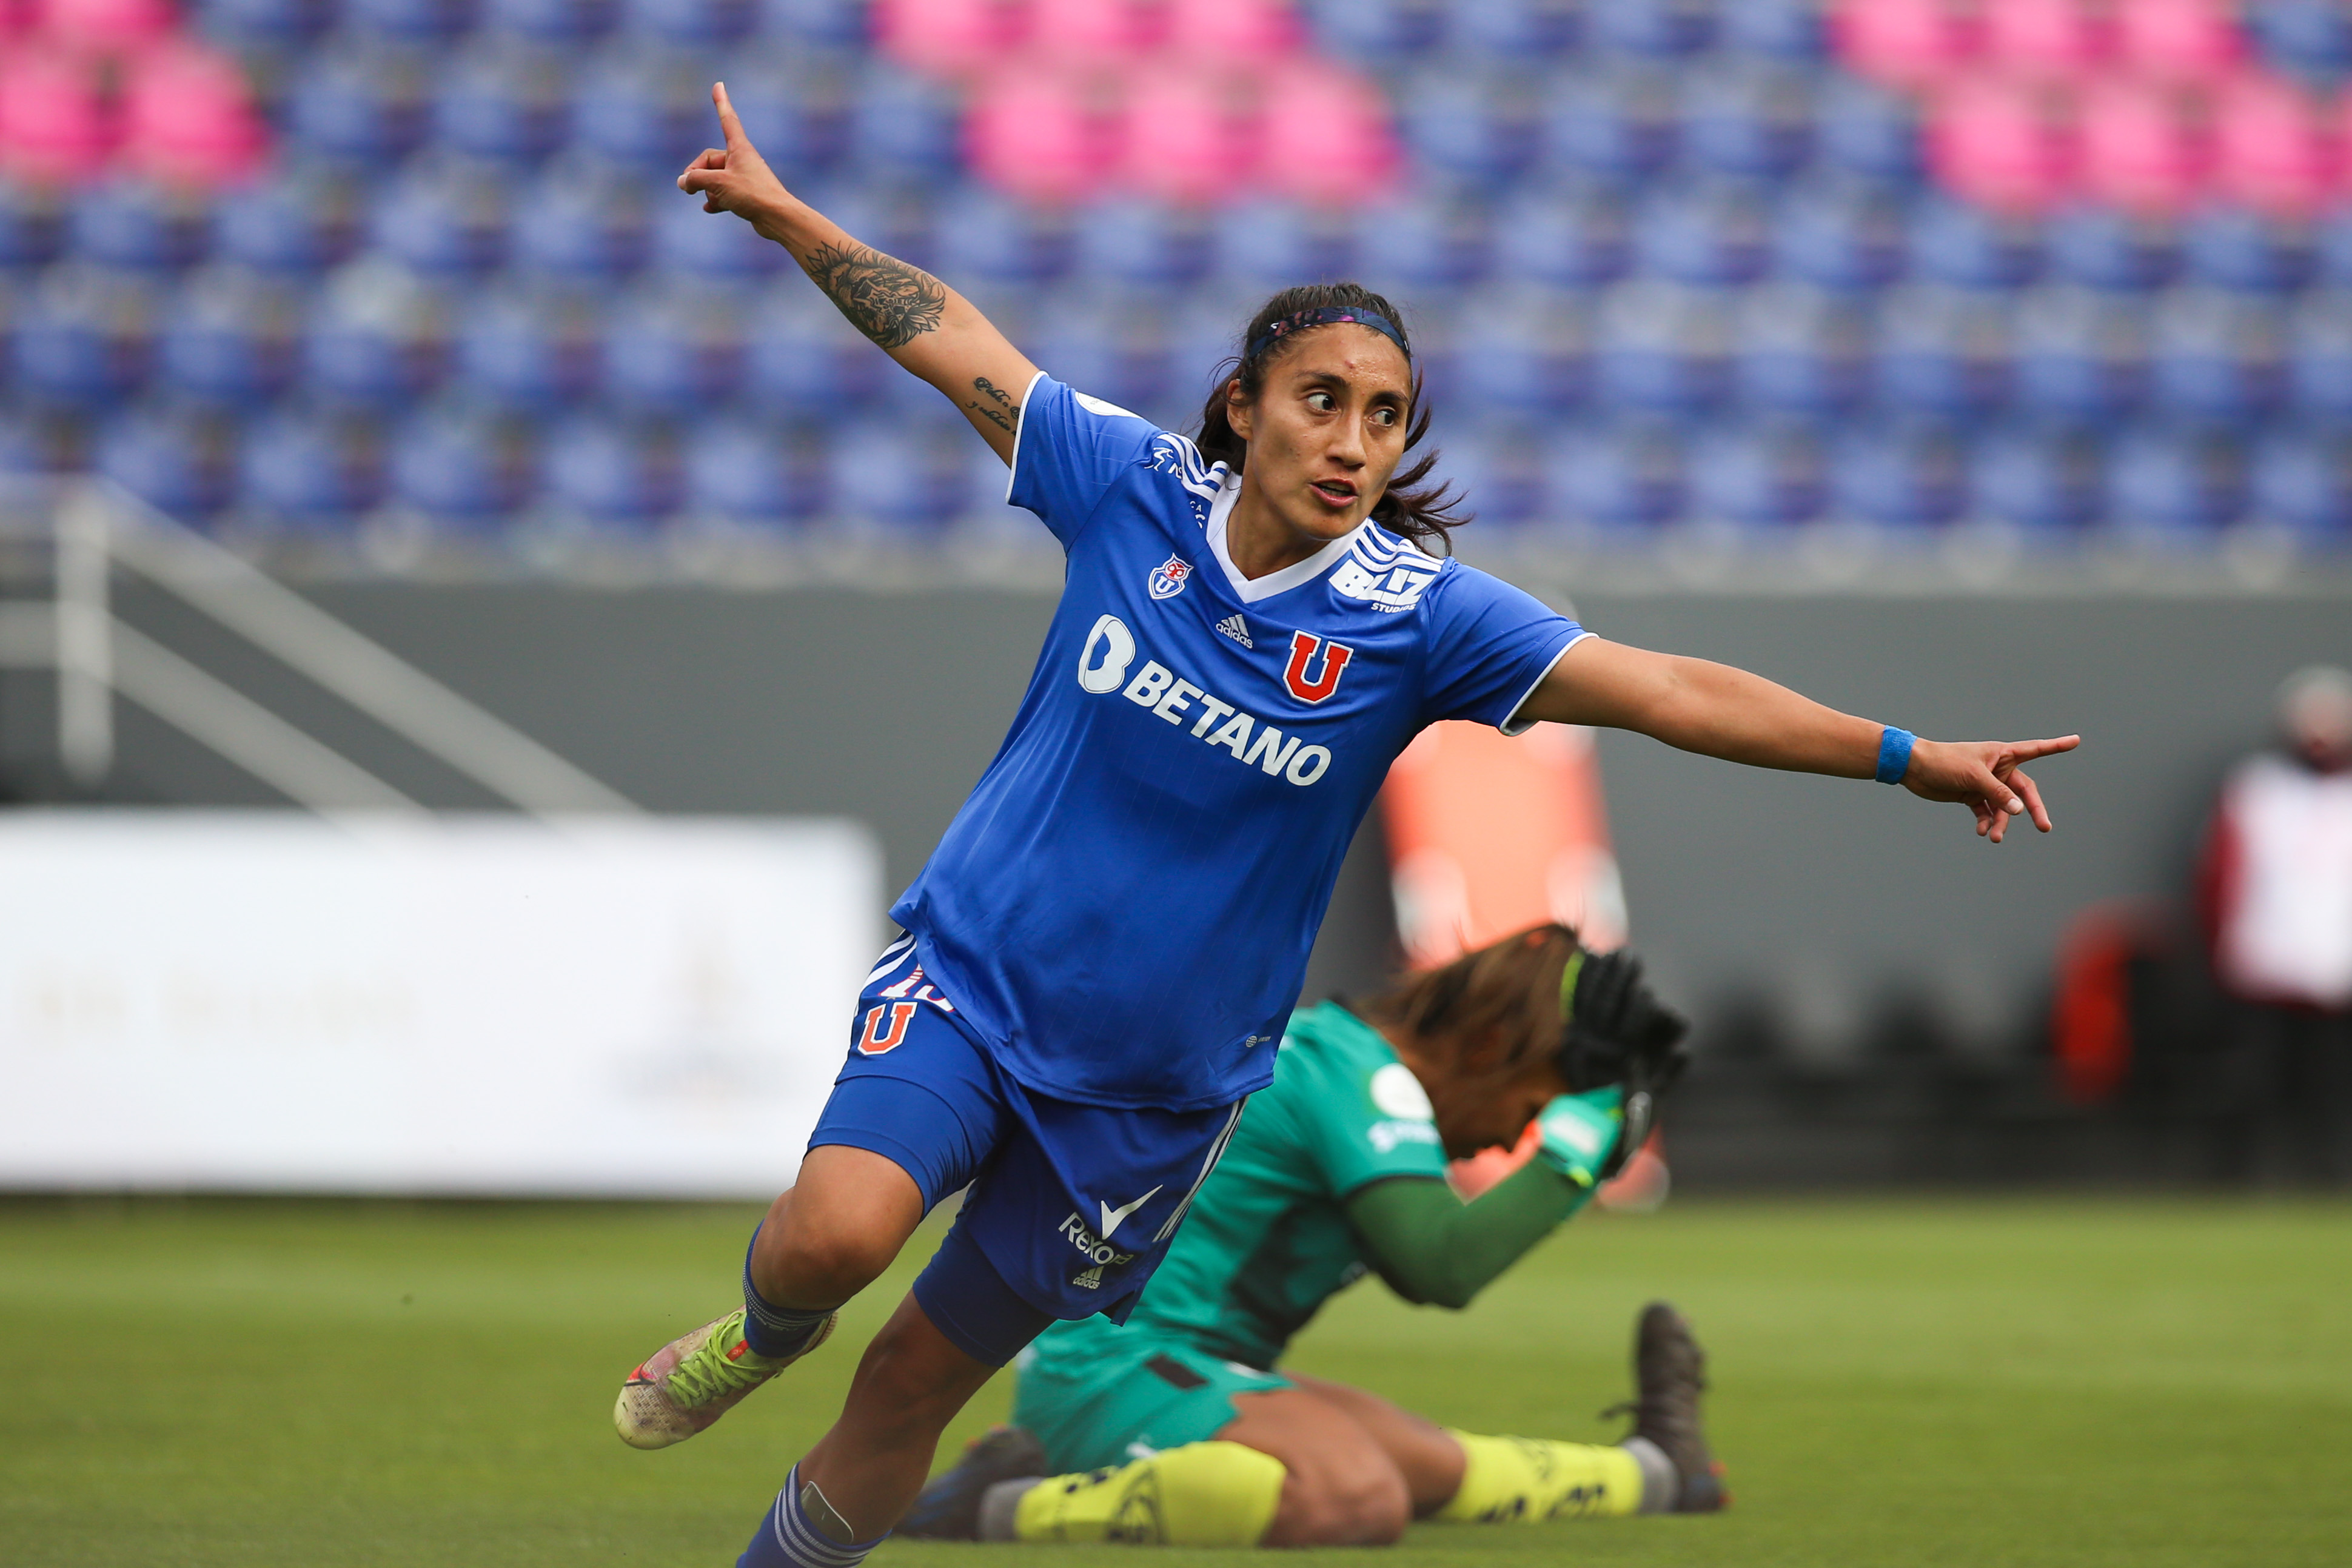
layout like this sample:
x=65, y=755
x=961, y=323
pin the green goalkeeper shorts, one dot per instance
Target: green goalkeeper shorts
x=1098, y=1395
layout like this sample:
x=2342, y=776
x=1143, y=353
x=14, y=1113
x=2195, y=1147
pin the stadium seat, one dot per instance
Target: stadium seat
x=1573, y=237
x=1379, y=32
x=2302, y=482
x=444, y=221
x=2138, y=147
x=1424, y=243
x=2319, y=359
x=1619, y=124
x=81, y=338
x=1795, y=31
x=1515, y=32
x=889, y=477
x=1121, y=356
x=904, y=127
x=305, y=471
x=1908, y=476
x=53, y=124
x=1094, y=32
x=104, y=26
x=558, y=22
x=140, y=224
x=947, y=37
x=2217, y=358
x=1997, y=141
x=604, y=471
x=1801, y=351
x=2312, y=38
x=746, y=472
x=1627, y=476
x=827, y=25
x=801, y=356
x=294, y=225
x=988, y=238
x=1969, y=247
x=1143, y=244
x=2331, y=248
x=1177, y=136
x=1943, y=353
x=690, y=241
x=1860, y=129
x=1468, y=127
x=1908, y=44
x=671, y=353
x=1662, y=348
x=187, y=116
x=2108, y=248
x=2052, y=41
x=1663, y=28
x=374, y=340
x=1501, y=471
x=227, y=340
x=32, y=226
x=27, y=447
x=1764, y=475
x=463, y=471
x=364, y=108
x=2275, y=148
x=2239, y=248
x=2172, y=482
x=1526, y=354
x=525, y=352
x=641, y=111
x=2179, y=41
x=686, y=23
x=502, y=106
x=262, y=25
x=176, y=462
x=1324, y=135
x=798, y=119
x=2042, y=481
x=1710, y=235
x=1841, y=236
x=1266, y=245
x=1750, y=121
x=2081, y=356
x=589, y=227
x=407, y=21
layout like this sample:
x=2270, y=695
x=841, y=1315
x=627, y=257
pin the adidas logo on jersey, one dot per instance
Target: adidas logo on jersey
x=1235, y=627
x=1087, y=1278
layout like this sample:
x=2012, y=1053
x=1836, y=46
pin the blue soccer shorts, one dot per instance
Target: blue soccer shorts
x=1071, y=1207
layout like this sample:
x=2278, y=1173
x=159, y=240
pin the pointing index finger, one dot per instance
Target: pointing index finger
x=728, y=123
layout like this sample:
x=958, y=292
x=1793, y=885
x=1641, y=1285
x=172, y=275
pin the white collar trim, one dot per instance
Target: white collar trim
x=1253, y=589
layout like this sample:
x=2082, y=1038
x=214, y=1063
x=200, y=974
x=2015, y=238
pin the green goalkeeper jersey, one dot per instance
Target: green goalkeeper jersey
x=1268, y=1240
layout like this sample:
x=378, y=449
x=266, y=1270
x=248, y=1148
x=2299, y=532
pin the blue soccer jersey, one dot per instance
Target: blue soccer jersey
x=1125, y=905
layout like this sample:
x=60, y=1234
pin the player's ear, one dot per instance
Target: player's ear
x=1238, y=410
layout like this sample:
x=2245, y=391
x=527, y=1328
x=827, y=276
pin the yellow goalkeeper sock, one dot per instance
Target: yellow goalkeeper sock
x=1202, y=1494
x=1534, y=1479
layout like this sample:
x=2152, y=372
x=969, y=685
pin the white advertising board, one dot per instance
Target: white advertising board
x=486, y=1005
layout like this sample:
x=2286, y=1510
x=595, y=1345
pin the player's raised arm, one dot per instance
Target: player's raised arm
x=1719, y=711
x=919, y=320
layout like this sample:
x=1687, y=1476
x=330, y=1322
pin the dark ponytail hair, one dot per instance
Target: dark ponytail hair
x=1421, y=512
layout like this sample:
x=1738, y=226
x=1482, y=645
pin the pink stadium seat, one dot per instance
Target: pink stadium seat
x=947, y=36
x=2001, y=143
x=2051, y=39
x=2179, y=41
x=53, y=125
x=2137, y=146
x=104, y=25
x=1904, y=43
x=1092, y=30
x=2274, y=148
x=188, y=116
x=1038, y=134
x=1324, y=135
x=1188, y=136
x=1236, y=30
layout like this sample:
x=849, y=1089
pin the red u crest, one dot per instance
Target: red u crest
x=872, y=1041
x=1303, y=649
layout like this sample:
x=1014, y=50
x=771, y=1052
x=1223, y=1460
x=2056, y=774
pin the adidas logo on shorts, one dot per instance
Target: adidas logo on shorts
x=1237, y=628
x=1087, y=1278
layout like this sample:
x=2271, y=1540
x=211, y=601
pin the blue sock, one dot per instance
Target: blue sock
x=788, y=1539
x=770, y=1330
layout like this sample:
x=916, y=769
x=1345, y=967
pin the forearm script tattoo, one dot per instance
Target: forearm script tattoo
x=884, y=298
x=1004, y=416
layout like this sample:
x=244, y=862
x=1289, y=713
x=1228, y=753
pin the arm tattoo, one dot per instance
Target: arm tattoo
x=1005, y=416
x=884, y=298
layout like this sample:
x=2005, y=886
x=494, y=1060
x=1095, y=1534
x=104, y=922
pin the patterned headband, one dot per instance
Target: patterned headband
x=1298, y=320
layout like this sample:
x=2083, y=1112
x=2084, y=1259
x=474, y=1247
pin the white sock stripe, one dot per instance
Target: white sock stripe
x=1216, y=1153
x=804, y=1546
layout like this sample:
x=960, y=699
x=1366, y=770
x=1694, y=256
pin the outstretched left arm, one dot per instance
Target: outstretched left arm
x=1719, y=711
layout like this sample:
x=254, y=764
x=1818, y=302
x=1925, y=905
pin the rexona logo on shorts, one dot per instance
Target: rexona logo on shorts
x=1097, y=1251
x=1103, y=663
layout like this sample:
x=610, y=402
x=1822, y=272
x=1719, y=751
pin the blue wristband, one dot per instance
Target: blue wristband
x=1893, y=754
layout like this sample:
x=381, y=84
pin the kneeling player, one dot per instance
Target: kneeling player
x=1175, y=1428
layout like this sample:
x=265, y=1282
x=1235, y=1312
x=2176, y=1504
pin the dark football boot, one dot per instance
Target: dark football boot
x=1670, y=1373
x=949, y=1508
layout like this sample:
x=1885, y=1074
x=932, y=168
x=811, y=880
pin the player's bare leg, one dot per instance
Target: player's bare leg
x=1341, y=1486
x=1424, y=1454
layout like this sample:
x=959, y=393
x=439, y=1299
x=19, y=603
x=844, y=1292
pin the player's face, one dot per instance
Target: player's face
x=1327, y=430
x=1475, y=1112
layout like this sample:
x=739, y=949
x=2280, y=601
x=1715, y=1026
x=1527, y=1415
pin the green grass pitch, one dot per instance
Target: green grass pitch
x=2017, y=1380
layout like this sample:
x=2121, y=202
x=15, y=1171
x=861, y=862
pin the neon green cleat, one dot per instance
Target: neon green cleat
x=691, y=1382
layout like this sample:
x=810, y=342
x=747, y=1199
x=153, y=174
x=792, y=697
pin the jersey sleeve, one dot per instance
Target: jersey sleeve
x=1489, y=645
x=1362, y=1122
x=1069, y=450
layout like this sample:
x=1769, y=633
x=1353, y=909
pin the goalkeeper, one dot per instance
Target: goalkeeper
x=1177, y=1428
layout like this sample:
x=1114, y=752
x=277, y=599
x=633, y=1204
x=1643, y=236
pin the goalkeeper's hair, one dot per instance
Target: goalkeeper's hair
x=1503, y=998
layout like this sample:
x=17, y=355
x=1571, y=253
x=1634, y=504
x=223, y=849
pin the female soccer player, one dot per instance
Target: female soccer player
x=1175, y=1428
x=1097, y=959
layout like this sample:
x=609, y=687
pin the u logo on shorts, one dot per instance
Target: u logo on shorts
x=872, y=1041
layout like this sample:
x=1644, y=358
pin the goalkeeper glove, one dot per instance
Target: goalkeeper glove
x=1580, y=1133
x=1616, y=1031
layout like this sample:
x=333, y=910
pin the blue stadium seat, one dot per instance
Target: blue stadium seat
x=524, y=352
x=1572, y=238
x=174, y=461
x=32, y=226
x=1381, y=32
x=641, y=111
x=2319, y=359
x=2309, y=38
x=1501, y=471
x=2169, y=482
x=1473, y=127
x=1515, y=31
x=1841, y=234
x=1910, y=476
x=503, y=106
x=1119, y=355
x=604, y=471
x=373, y=340
x=2302, y=482
x=2217, y=357
x=1423, y=243
x=832, y=24
x=1526, y=354
x=139, y=226
x=1801, y=351
x=444, y=221
x=1270, y=245
x=1968, y=245
x=983, y=237
x=1140, y=244
x=1622, y=124
x=1789, y=30
x=227, y=342
x=2081, y=356
x=1870, y=130
x=749, y=472
x=2331, y=239
x=1658, y=27
x=1709, y=234
x=364, y=108
x=546, y=21
x=81, y=340
x=2104, y=248
x=1661, y=348
x=802, y=116
x=1618, y=476
x=27, y=447
x=801, y=356
x=1750, y=120
x=904, y=127
x=287, y=225
x=687, y=24
x=407, y=21
x=687, y=240
x=305, y=470
x=588, y=229
x=2231, y=247
x=2045, y=480
x=672, y=355
x=262, y=24
x=1943, y=353
x=890, y=476
x=463, y=470
x=1770, y=474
